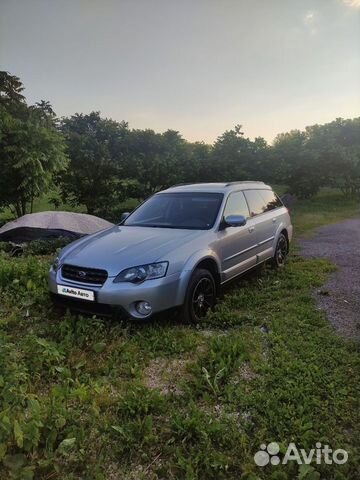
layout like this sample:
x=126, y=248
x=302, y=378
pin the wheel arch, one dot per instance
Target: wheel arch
x=201, y=259
x=282, y=229
x=210, y=264
x=286, y=235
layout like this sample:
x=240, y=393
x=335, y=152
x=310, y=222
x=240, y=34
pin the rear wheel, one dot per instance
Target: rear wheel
x=281, y=251
x=200, y=296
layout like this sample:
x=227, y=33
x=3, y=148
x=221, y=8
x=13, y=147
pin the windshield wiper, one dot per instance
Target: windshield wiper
x=174, y=227
x=151, y=225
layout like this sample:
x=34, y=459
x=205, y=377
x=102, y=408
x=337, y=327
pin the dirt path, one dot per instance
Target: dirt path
x=340, y=296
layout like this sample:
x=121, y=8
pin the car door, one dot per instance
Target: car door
x=265, y=222
x=238, y=244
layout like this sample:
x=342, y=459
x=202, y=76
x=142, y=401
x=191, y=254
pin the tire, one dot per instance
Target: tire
x=281, y=252
x=200, y=296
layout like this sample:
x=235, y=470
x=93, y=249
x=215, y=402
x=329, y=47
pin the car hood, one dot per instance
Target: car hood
x=123, y=247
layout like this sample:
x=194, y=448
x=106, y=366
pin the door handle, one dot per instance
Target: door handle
x=274, y=219
x=251, y=229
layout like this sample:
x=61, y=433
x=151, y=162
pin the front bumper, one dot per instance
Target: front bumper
x=88, y=308
x=162, y=293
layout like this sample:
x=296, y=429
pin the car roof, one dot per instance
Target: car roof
x=218, y=187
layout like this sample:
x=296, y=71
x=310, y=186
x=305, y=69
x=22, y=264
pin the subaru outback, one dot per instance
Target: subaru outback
x=175, y=250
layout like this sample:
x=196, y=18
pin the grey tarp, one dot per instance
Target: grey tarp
x=48, y=225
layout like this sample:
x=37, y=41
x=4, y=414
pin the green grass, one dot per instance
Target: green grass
x=95, y=399
x=43, y=204
x=329, y=206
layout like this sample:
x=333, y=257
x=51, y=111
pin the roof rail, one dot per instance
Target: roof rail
x=244, y=181
x=187, y=183
x=181, y=184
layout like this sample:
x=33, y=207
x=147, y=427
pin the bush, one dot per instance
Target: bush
x=46, y=247
x=5, y=247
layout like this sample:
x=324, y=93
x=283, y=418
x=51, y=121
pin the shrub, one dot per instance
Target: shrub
x=46, y=247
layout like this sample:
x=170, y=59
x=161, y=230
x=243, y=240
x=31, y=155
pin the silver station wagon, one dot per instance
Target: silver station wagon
x=175, y=250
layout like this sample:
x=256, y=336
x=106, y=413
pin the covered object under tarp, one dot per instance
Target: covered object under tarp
x=51, y=225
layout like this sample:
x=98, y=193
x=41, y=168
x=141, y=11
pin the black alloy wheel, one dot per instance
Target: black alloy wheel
x=281, y=251
x=200, y=296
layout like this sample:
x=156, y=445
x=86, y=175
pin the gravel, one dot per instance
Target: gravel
x=340, y=296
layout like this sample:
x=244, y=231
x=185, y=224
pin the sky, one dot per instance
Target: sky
x=196, y=66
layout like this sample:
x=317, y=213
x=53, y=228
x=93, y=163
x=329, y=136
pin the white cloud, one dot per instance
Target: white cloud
x=310, y=21
x=309, y=18
x=352, y=3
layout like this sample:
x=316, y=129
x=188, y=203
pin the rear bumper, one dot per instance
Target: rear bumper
x=162, y=294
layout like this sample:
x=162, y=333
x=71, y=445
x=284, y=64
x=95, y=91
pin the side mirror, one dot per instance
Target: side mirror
x=124, y=216
x=234, y=221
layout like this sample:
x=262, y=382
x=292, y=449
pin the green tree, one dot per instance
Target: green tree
x=156, y=160
x=236, y=157
x=299, y=167
x=197, y=165
x=96, y=176
x=337, y=147
x=320, y=155
x=31, y=148
x=11, y=88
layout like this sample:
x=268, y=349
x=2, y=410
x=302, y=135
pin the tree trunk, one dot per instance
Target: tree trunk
x=13, y=210
x=90, y=209
x=17, y=207
x=23, y=206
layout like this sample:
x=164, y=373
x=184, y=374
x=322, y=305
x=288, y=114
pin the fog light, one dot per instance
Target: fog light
x=144, y=308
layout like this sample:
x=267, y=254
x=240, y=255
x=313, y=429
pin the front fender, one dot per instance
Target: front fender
x=189, y=268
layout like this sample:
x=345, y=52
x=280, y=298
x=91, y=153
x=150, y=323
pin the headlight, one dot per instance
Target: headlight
x=56, y=264
x=142, y=272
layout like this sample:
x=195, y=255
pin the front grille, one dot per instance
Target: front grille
x=83, y=274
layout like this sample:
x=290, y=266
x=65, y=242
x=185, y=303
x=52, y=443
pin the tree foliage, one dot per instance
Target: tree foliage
x=11, y=88
x=237, y=157
x=96, y=175
x=156, y=160
x=320, y=155
x=31, y=148
x=109, y=162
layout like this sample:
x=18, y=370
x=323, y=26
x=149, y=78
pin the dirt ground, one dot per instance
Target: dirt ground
x=340, y=296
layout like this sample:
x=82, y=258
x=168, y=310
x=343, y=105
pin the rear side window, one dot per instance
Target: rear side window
x=236, y=205
x=255, y=201
x=271, y=200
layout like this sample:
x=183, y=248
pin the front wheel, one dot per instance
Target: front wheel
x=281, y=251
x=200, y=296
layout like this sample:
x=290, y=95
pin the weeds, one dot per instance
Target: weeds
x=75, y=401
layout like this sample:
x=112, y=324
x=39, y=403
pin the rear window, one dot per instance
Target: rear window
x=255, y=201
x=271, y=200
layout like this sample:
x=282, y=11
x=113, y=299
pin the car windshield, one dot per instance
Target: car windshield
x=196, y=211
